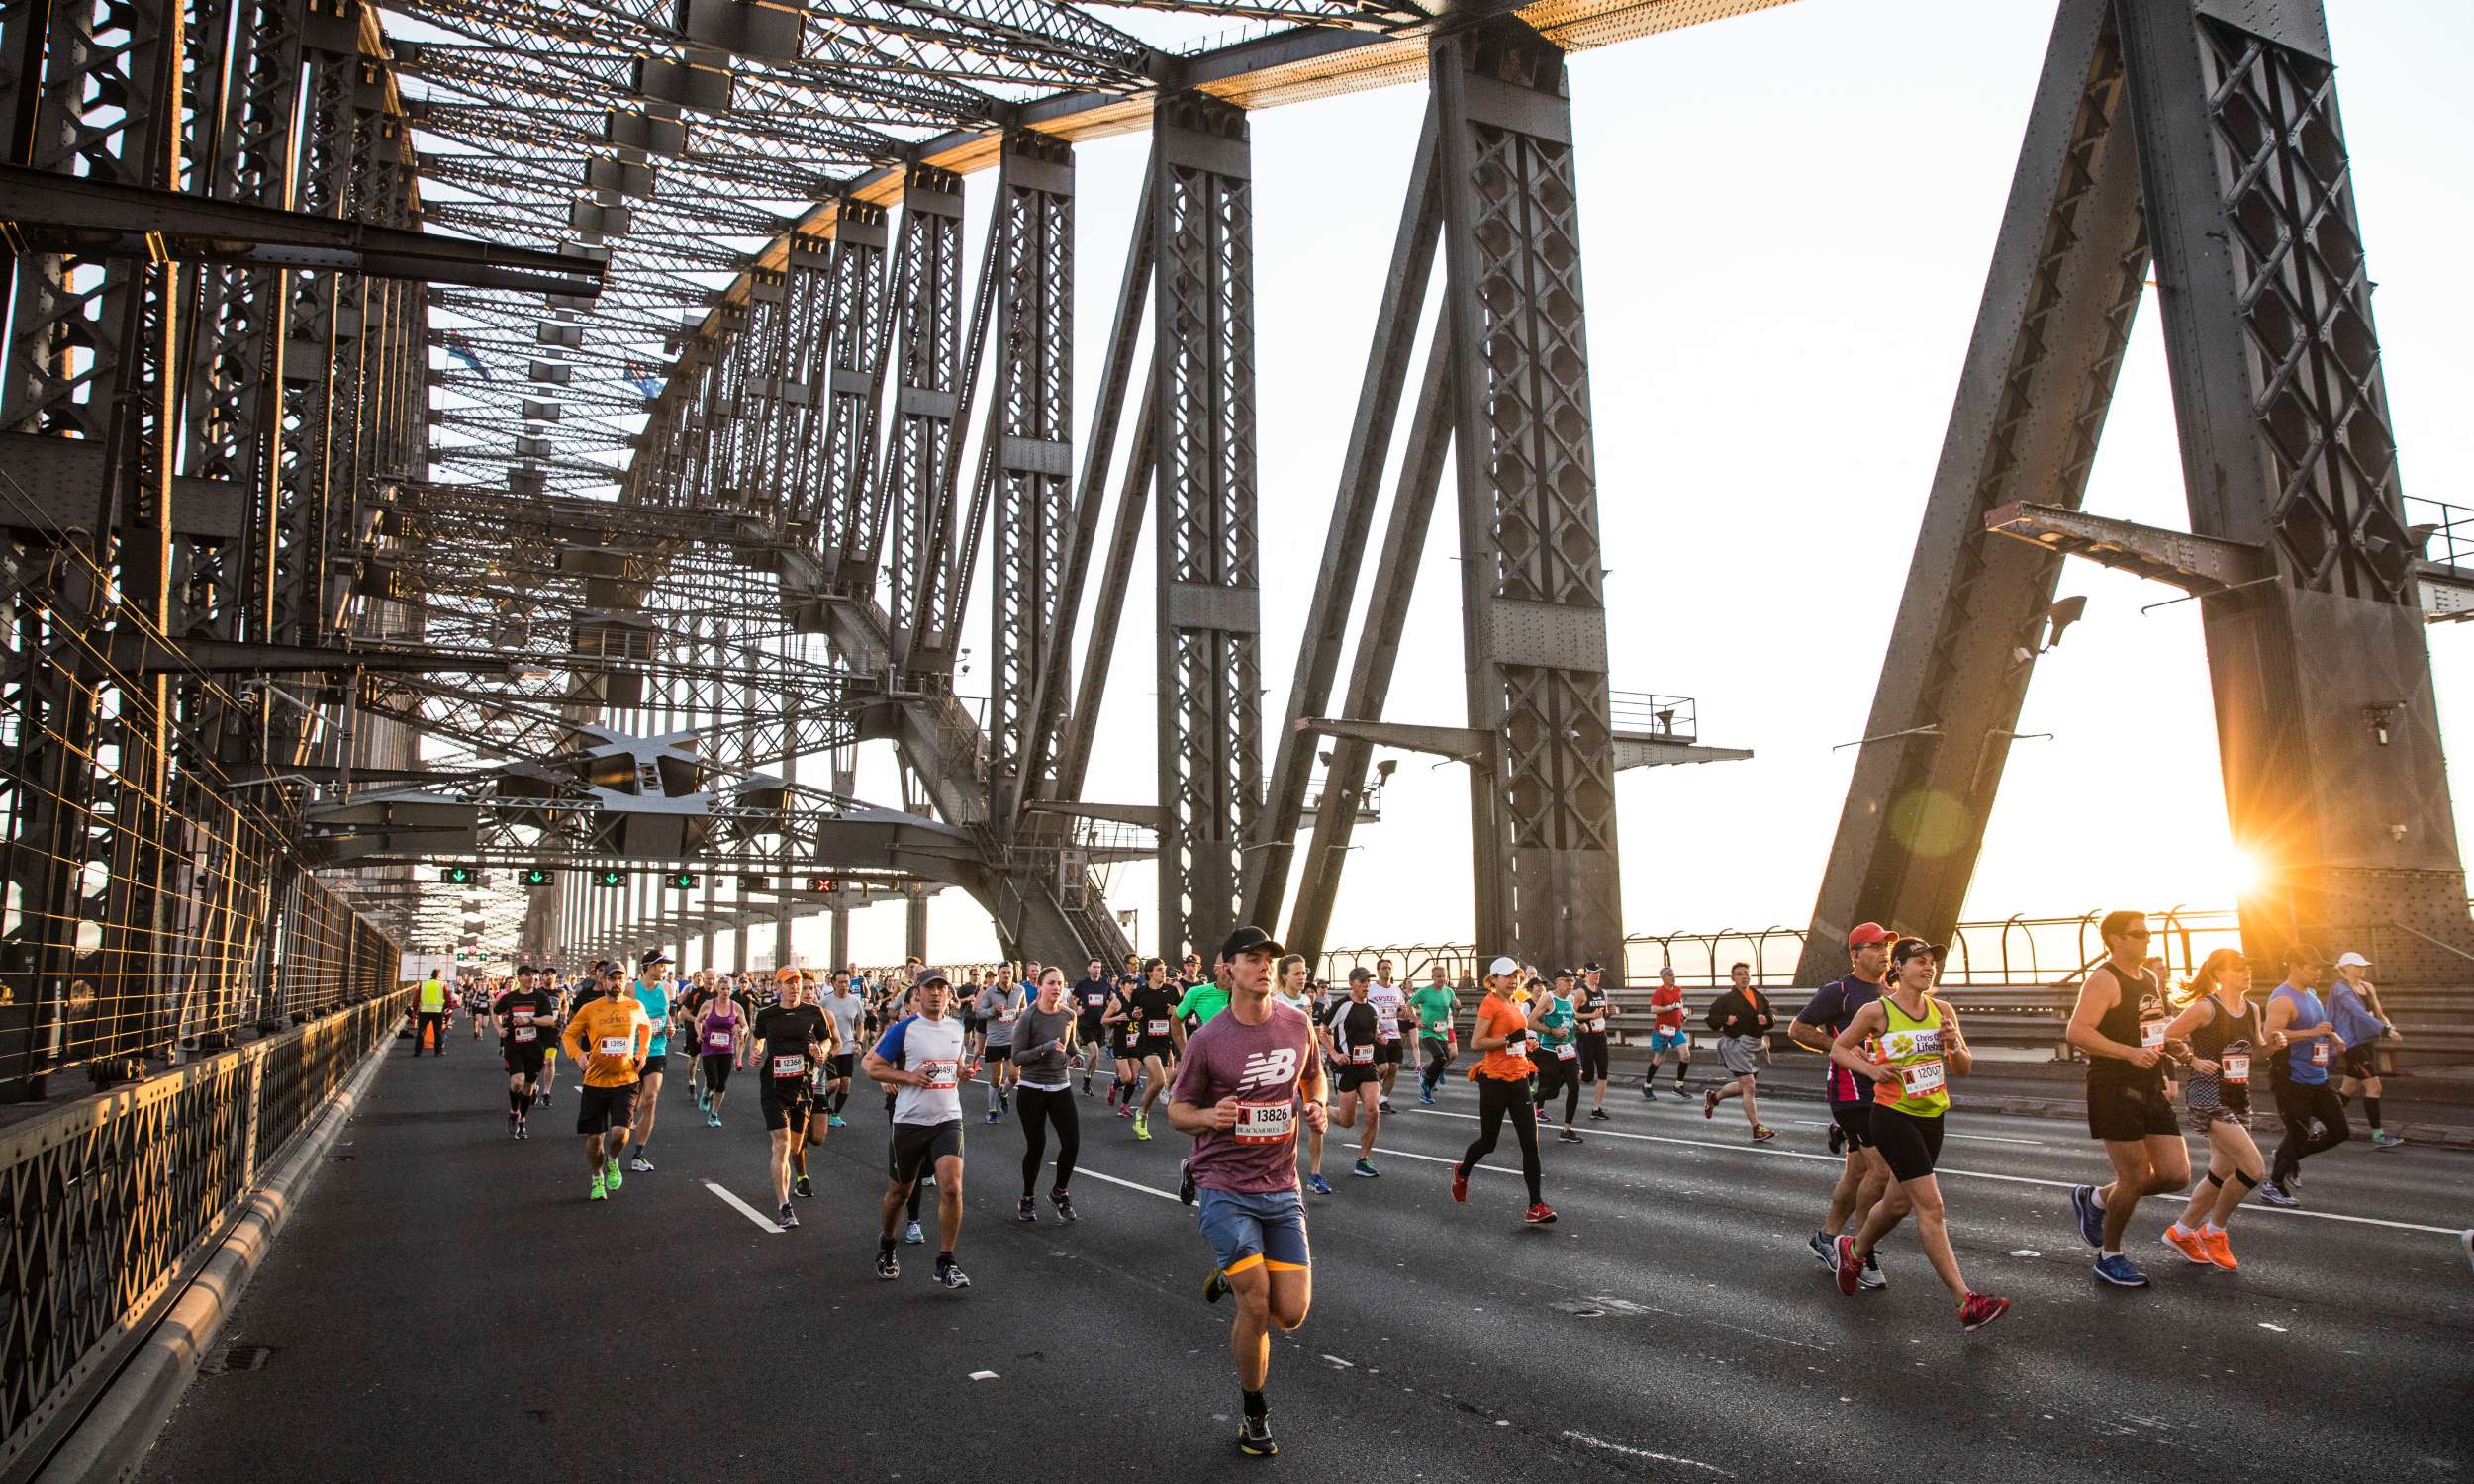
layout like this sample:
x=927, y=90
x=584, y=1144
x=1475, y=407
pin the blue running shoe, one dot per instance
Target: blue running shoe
x=2091, y=1215
x=1365, y=1171
x=2117, y=1271
x=1318, y=1184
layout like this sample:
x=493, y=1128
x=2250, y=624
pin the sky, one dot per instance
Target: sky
x=1787, y=220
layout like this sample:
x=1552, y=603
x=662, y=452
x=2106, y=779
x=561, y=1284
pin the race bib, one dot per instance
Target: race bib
x=1265, y=1123
x=524, y=1033
x=790, y=1065
x=1922, y=1079
x=1566, y=1052
x=1595, y=1025
x=1005, y=1017
x=2318, y=1053
x=940, y=1075
x=1360, y=1056
x=1514, y=1042
x=617, y=1046
x=521, y=1017
x=1155, y=1027
x=717, y=1041
x=2151, y=1034
x=2237, y=1070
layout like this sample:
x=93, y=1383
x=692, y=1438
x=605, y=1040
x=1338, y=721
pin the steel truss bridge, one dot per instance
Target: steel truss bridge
x=522, y=434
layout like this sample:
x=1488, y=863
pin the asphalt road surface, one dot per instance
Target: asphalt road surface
x=446, y=1304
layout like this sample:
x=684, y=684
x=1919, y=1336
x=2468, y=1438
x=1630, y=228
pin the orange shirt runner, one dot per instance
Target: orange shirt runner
x=1497, y=1016
x=610, y=1037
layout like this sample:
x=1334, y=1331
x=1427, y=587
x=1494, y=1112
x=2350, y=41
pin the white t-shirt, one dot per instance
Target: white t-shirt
x=916, y=1043
x=1387, y=1001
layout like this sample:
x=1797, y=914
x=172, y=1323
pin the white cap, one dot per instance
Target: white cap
x=1501, y=966
x=2352, y=960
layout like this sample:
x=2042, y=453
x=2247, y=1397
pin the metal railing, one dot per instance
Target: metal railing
x=2452, y=530
x=110, y=1199
x=1647, y=713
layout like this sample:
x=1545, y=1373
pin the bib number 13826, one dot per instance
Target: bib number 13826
x=1265, y=1123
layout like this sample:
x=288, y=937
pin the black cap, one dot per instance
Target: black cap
x=1247, y=939
x=929, y=977
x=1566, y=974
x=1907, y=948
x=1359, y=974
x=1591, y=967
x=524, y=968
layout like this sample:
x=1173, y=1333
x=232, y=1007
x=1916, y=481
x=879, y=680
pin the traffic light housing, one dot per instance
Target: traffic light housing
x=682, y=881
x=536, y=875
x=609, y=877
x=460, y=876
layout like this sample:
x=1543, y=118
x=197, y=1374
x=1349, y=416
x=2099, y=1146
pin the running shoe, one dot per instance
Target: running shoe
x=2091, y=1216
x=713, y=1120
x=1764, y=1133
x=523, y=1129
x=1004, y=1102
x=1871, y=1276
x=950, y=1275
x=1254, y=1436
x=2278, y=1196
x=1385, y=1104
x=1542, y=1115
x=600, y=1192
x=1214, y=1286
x=885, y=1267
x=801, y=1186
x=511, y=1127
x=787, y=1216
x=704, y=1100
x=1540, y=1215
x=834, y=1121
x=992, y=1115
x=1185, y=1181
x=1316, y=1183
x=1065, y=1207
x=1460, y=1186
x=1850, y=1267
x=1979, y=1309
x=1649, y=1092
x=911, y=1236
x=1426, y=1099
x=2188, y=1243
x=2220, y=1249
x=611, y=1176
x=1569, y=1136
x=1125, y=1110
x=1142, y=1128
x=1825, y=1250
x=1029, y=1211
x=640, y=1164
x=2387, y=1140
x=544, y=1099
x=928, y=1181
x=1838, y=1139
x=2115, y=1268
x=1365, y=1171
x=1709, y=1103
x=1600, y=1114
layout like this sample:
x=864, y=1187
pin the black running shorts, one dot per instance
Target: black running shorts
x=2120, y=1112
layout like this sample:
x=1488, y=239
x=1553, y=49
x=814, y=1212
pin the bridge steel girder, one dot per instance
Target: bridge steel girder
x=2065, y=281
x=2211, y=128
x=1533, y=618
x=835, y=492
x=1208, y=606
x=924, y=294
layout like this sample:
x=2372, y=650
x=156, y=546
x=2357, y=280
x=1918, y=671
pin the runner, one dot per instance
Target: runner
x=1863, y=1178
x=1593, y=1006
x=1503, y=1032
x=1000, y=1006
x=1154, y=1014
x=2298, y=1078
x=2120, y=1023
x=1117, y=1024
x=1044, y=1042
x=609, y=1037
x=1558, y=1053
x=1238, y=1095
x=846, y=1006
x=1668, y=1035
x=477, y=998
x=720, y=1041
x=1920, y=1048
x=1196, y=1007
x=2224, y=1031
x=652, y=991
x=546, y=978
x=1742, y=1019
x=1391, y=1002
x=2353, y=1007
x=921, y=1056
x=523, y=1015
x=1357, y=1042
x=793, y=1039
x=1089, y=999
x=1437, y=1037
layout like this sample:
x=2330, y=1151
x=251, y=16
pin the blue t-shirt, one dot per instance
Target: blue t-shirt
x=2353, y=1018
x=1833, y=1008
x=656, y=1002
x=2306, y=1061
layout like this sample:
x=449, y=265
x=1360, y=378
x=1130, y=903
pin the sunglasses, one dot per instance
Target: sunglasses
x=2143, y=934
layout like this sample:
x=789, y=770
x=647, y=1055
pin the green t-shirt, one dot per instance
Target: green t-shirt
x=1556, y=1025
x=1435, y=1005
x=1205, y=1000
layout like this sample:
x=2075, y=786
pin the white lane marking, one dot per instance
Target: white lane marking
x=1165, y=1195
x=1633, y=1452
x=744, y=1209
x=1807, y=1123
x=984, y=1375
x=1769, y=1152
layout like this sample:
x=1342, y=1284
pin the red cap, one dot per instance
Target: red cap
x=1865, y=934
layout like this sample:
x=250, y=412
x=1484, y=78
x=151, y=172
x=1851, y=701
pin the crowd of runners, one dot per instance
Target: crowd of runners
x=1258, y=1063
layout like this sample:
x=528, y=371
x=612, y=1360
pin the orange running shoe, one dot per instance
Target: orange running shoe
x=2188, y=1245
x=2220, y=1249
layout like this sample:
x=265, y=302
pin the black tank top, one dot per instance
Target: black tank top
x=2121, y=1025
x=2223, y=1034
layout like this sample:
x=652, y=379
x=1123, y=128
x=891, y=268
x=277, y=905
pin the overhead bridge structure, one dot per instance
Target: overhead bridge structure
x=484, y=469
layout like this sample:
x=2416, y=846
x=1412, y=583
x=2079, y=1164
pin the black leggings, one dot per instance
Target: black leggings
x=1496, y=1097
x=1038, y=1110
x=1554, y=1071
x=1594, y=1056
x=717, y=1071
x=2297, y=1103
x=1437, y=1062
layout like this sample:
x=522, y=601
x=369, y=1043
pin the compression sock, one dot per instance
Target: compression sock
x=945, y=1260
x=1256, y=1405
x=2371, y=1107
x=515, y=1101
x=1680, y=1068
x=885, y=1246
x=523, y=1105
